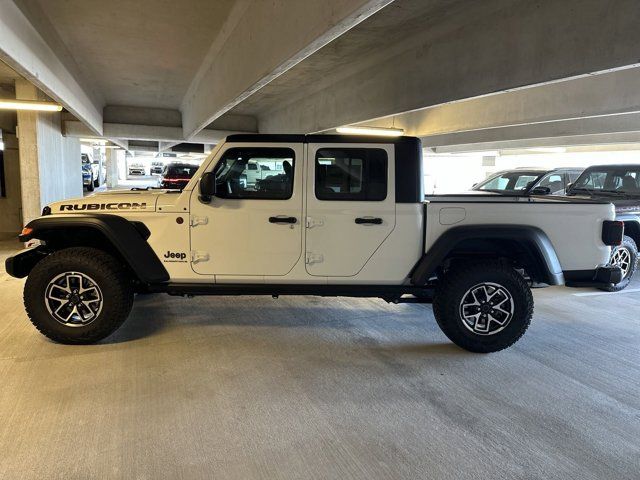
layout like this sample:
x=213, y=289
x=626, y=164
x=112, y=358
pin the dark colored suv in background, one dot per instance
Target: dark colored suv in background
x=530, y=181
x=175, y=176
x=620, y=185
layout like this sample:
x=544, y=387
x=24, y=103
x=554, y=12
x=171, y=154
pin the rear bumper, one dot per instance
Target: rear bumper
x=600, y=277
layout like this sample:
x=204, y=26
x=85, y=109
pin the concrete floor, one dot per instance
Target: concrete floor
x=322, y=388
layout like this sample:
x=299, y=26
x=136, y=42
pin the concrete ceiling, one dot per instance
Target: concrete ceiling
x=366, y=43
x=7, y=74
x=195, y=70
x=143, y=52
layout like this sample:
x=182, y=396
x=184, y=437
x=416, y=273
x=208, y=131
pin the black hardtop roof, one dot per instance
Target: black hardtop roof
x=295, y=138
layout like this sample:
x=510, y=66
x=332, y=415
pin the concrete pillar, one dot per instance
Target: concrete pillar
x=11, y=203
x=112, y=168
x=28, y=145
x=50, y=164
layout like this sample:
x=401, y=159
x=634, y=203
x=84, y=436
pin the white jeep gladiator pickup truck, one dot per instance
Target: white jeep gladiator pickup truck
x=339, y=216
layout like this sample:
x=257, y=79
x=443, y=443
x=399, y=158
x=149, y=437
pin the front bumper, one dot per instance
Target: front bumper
x=21, y=264
x=600, y=277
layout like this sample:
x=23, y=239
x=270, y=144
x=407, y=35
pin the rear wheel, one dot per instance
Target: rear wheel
x=625, y=256
x=78, y=295
x=483, y=307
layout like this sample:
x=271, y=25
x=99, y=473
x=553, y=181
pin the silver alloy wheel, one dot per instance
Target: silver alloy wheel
x=621, y=257
x=73, y=299
x=486, y=308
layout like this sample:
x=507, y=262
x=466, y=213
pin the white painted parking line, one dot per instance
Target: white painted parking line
x=594, y=294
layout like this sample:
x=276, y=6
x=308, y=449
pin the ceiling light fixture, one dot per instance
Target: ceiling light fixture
x=549, y=149
x=30, y=105
x=383, y=132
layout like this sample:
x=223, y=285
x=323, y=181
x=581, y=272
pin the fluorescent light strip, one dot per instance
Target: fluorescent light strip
x=29, y=105
x=383, y=132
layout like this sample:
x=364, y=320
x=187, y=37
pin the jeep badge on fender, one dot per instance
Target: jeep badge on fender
x=175, y=256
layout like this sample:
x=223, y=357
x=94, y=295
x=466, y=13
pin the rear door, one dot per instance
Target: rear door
x=350, y=205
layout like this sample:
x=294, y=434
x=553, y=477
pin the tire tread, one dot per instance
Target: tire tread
x=122, y=299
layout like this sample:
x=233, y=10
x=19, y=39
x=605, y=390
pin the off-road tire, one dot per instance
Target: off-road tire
x=458, y=281
x=632, y=248
x=108, y=273
x=91, y=185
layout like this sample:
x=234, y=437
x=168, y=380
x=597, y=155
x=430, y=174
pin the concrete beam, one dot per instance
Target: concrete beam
x=493, y=47
x=142, y=116
x=559, y=141
x=607, y=95
x=122, y=131
x=531, y=134
x=260, y=41
x=164, y=146
x=24, y=50
x=124, y=144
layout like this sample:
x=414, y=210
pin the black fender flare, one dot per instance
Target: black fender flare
x=532, y=239
x=127, y=237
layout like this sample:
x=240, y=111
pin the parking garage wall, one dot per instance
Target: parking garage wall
x=10, y=204
x=59, y=161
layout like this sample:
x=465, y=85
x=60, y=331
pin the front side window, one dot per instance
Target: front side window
x=255, y=173
x=356, y=174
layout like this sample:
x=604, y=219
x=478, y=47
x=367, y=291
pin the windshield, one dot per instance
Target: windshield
x=614, y=180
x=510, y=182
x=181, y=171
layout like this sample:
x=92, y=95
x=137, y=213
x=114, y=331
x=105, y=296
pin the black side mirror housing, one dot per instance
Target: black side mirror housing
x=207, y=187
x=541, y=191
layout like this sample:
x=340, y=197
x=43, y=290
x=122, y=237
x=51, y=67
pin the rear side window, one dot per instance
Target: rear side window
x=355, y=174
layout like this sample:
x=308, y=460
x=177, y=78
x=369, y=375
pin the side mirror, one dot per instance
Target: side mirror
x=541, y=191
x=207, y=187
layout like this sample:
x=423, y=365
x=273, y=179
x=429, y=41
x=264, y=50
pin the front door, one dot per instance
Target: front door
x=350, y=206
x=253, y=226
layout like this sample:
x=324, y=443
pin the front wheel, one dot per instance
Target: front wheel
x=78, y=295
x=625, y=256
x=483, y=307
